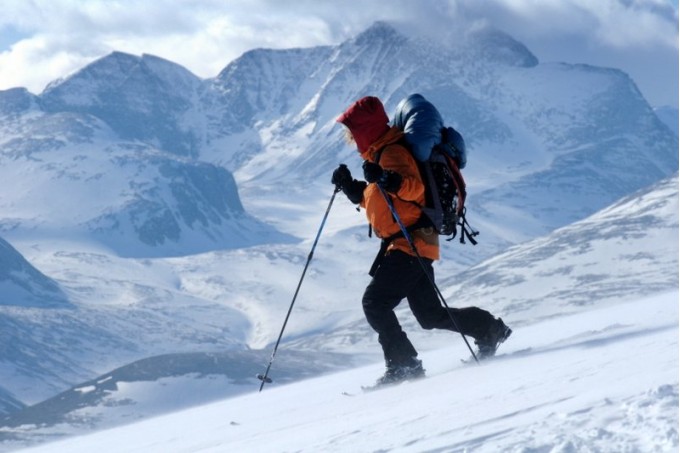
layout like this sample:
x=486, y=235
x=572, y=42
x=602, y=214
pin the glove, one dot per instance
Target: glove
x=372, y=172
x=387, y=179
x=341, y=176
x=354, y=189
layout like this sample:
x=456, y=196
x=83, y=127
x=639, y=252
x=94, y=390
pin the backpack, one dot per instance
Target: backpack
x=440, y=153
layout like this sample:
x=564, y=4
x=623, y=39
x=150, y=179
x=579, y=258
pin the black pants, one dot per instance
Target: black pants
x=401, y=276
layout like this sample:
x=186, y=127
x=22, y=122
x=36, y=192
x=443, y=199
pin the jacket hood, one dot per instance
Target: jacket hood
x=366, y=120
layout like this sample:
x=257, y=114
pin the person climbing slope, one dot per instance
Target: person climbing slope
x=397, y=273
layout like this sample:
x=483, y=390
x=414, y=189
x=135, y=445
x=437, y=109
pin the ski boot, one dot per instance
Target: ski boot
x=399, y=373
x=489, y=343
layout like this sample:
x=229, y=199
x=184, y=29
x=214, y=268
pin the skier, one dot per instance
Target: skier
x=397, y=274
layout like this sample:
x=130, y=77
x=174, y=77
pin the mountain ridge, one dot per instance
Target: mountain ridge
x=268, y=117
x=23, y=285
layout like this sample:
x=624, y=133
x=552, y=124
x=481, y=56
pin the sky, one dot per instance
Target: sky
x=43, y=40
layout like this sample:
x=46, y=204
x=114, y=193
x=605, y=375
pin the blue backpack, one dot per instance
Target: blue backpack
x=440, y=153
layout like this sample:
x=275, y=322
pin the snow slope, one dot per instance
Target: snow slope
x=625, y=251
x=545, y=280
x=604, y=380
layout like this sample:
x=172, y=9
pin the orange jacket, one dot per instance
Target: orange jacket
x=406, y=201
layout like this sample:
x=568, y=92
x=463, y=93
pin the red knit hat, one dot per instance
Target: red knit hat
x=366, y=120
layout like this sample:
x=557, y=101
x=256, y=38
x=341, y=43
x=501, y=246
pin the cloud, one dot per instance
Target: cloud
x=637, y=36
x=615, y=23
x=60, y=36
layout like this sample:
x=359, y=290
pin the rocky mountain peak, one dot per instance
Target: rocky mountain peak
x=141, y=98
x=379, y=32
x=119, y=70
x=497, y=46
x=15, y=101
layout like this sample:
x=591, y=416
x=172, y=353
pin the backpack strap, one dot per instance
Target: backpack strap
x=466, y=231
x=459, y=181
x=385, y=243
x=423, y=221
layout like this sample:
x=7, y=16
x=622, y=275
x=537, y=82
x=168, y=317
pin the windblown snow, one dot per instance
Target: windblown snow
x=602, y=380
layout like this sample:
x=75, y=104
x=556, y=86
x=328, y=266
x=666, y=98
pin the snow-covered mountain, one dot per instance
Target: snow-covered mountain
x=145, y=99
x=24, y=290
x=574, y=131
x=172, y=216
x=23, y=285
x=9, y=404
x=151, y=387
x=102, y=156
x=669, y=116
x=143, y=149
x=625, y=251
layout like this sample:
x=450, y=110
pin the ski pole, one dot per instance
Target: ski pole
x=264, y=377
x=404, y=231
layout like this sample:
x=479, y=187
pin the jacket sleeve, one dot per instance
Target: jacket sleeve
x=398, y=159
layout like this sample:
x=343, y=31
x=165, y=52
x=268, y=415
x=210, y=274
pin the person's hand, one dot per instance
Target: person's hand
x=341, y=176
x=354, y=190
x=372, y=172
x=387, y=179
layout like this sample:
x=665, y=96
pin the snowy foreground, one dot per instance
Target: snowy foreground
x=604, y=380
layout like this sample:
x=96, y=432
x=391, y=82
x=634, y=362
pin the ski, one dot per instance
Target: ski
x=490, y=355
x=375, y=387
